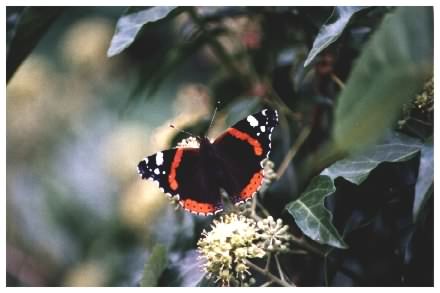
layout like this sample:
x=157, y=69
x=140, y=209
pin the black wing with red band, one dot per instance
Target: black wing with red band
x=243, y=147
x=157, y=168
x=179, y=173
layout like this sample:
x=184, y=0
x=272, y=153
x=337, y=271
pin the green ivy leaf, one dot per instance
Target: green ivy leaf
x=311, y=215
x=393, y=67
x=309, y=211
x=33, y=23
x=356, y=168
x=329, y=33
x=425, y=179
x=156, y=265
x=130, y=24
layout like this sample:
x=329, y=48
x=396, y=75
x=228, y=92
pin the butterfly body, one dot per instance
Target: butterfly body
x=232, y=162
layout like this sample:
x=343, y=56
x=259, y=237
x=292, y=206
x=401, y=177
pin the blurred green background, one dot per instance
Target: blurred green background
x=78, y=123
x=77, y=212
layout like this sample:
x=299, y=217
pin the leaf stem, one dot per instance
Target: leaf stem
x=338, y=81
x=265, y=212
x=293, y=150
x=304, y=243
x=216, y=47
x=269, y=275
x=267, y=284
x=321, y=159
x=280, y=271
x=266, y=268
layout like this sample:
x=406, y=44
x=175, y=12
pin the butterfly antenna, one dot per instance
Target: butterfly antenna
x=184, y=131
x=213, y=115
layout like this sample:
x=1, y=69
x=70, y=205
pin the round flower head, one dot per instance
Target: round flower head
x=225, y=249
x=274, y=234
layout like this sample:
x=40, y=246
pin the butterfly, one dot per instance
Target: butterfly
x=232, y=162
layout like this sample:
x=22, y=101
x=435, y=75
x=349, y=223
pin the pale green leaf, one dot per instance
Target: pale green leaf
x=130, y=24
x=393, y=67
x=155, y=266
x=312, y=217
x=330, y=32
x=356, y=168
x=425, y=179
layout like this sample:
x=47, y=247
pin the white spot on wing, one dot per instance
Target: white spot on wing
x=264, y=112
x=156, y=171
x=159, y=158
x=146, y=160
x=263, y=128
x=252, y=121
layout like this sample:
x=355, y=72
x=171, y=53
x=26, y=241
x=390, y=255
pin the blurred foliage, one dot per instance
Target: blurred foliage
x=330, y=32
x=25, y=28
x=353, y=153
x=129, y=25
x=157, y=263
x=397, y=66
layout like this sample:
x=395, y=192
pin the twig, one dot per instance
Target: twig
x=302, y=242
x=253, y=207
x=268, y=274
x=282, y=105
x=421, y=121
x=266, y=268
x=280, y=272
x=325, y=272
x=293, y=150
x=265, y=212
x=267, y=284
x=338, y=81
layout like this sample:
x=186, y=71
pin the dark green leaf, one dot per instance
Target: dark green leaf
x=331, y=32
x=309, y=211
x=13, y=14
x=425, y=179
x=157, y=263
x=30, y=28
x=392, y=68
x=242, y=107
x=312, y=217
x=356, y=168
x=179, y=55
x=130, y=24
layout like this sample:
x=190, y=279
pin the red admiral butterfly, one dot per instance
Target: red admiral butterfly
x=232, y=162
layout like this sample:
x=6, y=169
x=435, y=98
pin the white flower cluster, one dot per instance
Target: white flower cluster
x=190, y=142
x=233, y=240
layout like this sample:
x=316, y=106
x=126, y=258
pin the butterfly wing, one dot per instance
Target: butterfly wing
x=242, y=148
x=179, y=174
